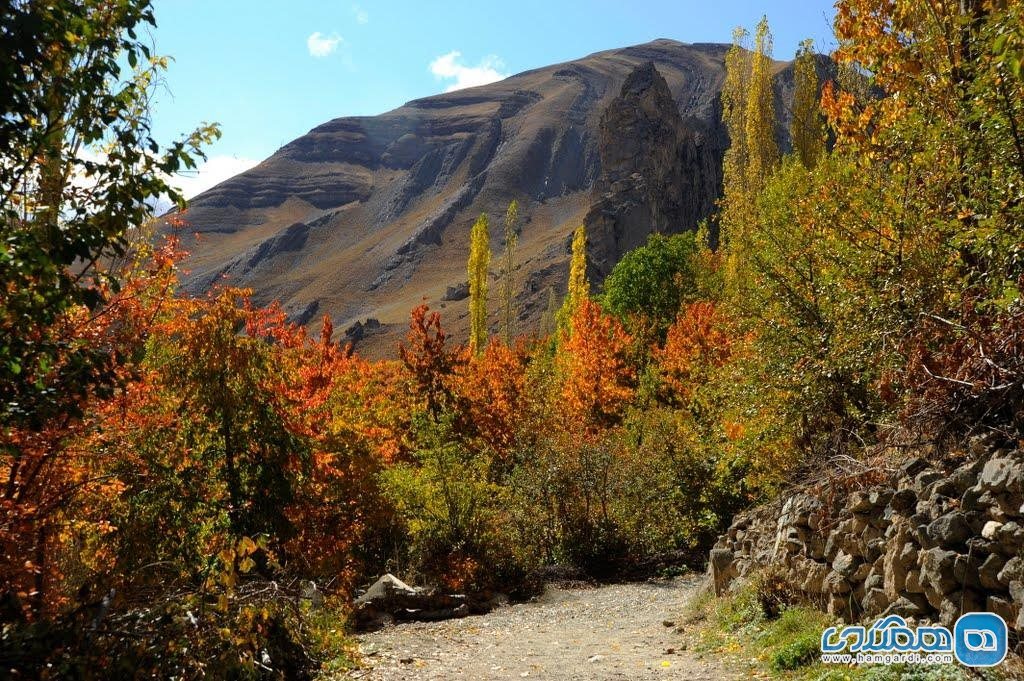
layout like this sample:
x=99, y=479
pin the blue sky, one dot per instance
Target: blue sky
x=270, y=71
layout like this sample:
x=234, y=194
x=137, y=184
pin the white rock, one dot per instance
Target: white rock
x=386, y=586
x=990, y=529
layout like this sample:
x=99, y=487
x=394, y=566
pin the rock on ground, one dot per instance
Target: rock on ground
x=621, y=631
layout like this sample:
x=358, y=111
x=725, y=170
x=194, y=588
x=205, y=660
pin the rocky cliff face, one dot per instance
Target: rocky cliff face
x=928, y=544
x=367, y=217
x=658, y=174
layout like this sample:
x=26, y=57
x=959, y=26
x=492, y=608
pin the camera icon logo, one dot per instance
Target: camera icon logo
x=979, y=639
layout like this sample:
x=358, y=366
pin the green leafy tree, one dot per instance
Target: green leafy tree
x=478, y=270
x=78, y=172
x=647, y=286
x=807, y=127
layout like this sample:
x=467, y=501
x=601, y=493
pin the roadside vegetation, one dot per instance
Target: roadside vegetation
x=763, y=629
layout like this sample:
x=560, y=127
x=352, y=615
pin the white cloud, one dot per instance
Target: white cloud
x=362, y=16
x=320, y=45
x=449, y=67
x=211, y=172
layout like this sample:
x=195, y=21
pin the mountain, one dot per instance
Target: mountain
x=365, y=217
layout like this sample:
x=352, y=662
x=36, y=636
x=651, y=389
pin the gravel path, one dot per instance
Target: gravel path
x=622, y=631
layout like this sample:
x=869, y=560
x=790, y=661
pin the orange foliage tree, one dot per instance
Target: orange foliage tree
x=696, y=342
x=597, y=379
x=492, y=388
x=57, y=487
x=429, y=360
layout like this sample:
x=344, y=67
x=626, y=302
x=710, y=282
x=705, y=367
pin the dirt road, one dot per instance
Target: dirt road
x=622, y=631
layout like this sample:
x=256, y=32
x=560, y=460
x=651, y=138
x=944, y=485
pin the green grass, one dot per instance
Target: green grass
x=787, y=646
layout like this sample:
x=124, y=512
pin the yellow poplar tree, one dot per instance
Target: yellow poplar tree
x=479, y=262
x=807, y=127
x=734, y=115
x=509, y=261
x=579, y=287
x=749, y=116
x=762, y=151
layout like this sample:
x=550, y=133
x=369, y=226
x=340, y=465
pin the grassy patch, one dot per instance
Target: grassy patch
x=776, y=637
x=330, y=642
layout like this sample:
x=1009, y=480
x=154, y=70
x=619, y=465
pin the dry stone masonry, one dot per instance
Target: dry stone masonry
x=928, y=545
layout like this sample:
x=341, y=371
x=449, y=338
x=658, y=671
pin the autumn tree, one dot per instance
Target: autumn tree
x=951, y=116
x=492, y=386
x=592, y=358
x=807, y=126
x=696, y=343
x=430, y=360
x=354, y=415
x=78, y=169
x=219, y=359
x=794, y=278
x=508, y=260
x=478, y=269
x=59, y=488
x=759, y=125
x=578, y=288
x=734, y=115
x=749, y=116
x=941, y=142
x=460, y=433
x=837, y=261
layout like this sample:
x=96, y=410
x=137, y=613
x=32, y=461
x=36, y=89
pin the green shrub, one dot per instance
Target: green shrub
x=457, y=534
x=799, y=653
x=649, y=283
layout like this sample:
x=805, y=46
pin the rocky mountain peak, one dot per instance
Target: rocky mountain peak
x=366, y=217
x=656, y=175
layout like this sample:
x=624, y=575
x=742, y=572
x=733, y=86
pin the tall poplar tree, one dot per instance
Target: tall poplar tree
x=549, y=319
x=479, y=262
x=762, y=151
x=749, y=116
x=508, y=264
x=734, y=115
x=807, y=127
x=578, y=287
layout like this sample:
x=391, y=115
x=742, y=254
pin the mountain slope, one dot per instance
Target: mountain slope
x=365, y=217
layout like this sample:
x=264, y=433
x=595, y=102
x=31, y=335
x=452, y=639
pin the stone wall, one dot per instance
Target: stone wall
x=928, y=544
